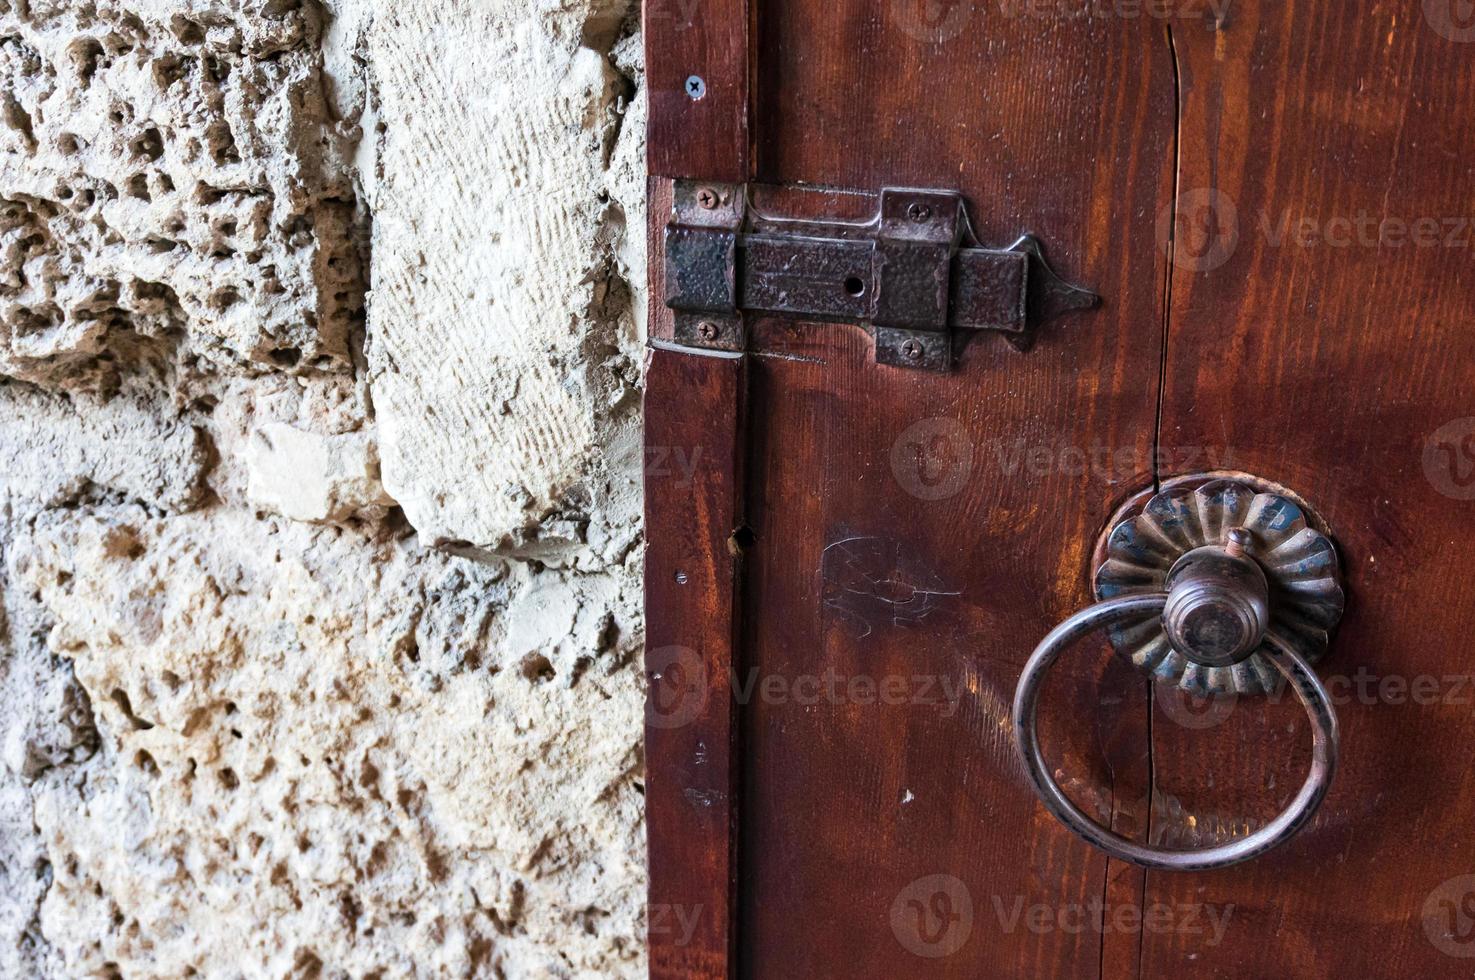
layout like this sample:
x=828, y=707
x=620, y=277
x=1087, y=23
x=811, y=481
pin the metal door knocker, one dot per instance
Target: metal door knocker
x=1215, y=585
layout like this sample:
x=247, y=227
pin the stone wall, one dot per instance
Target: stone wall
x=319, y=488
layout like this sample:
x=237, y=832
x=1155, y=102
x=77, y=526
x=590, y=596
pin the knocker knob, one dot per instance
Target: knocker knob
x=1218, y=605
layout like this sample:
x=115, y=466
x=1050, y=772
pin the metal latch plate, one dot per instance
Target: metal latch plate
x=913, y=274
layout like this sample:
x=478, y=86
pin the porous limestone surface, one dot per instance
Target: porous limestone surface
x=319, y=489
x=309, y=476
x=169, y=191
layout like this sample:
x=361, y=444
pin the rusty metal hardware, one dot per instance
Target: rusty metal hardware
x=1218, y=586
x=1152, y=548
x=1325, y=743
x=913, y=274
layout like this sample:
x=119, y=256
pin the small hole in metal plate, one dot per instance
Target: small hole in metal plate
x=855, y=285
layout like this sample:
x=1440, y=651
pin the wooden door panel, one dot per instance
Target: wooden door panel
x=847, y=799
x=693, y=476
x=1056, y=125
x=925, y=530
x=1326, y=361
x=868, y=571
x=697, y=77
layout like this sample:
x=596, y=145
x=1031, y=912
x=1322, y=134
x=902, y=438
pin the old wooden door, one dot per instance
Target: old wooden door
x=850, y=558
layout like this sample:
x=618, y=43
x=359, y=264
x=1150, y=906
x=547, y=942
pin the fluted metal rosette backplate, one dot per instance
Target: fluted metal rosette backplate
x=1300, y=563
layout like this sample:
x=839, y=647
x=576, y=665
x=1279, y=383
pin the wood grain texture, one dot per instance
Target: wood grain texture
x=660, y=323
x=706, y=137
x=926, y=530
x=1311, y=347
x=693, y=410
x=1305, y=168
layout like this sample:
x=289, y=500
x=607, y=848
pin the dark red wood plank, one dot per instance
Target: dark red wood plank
x=693, y=418
x=1320, y=339
x=697, y=77
x=925, y=530
x=660, y=324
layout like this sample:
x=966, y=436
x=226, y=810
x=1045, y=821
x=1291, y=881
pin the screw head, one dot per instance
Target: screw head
x=708, y=197
x=695, y=87
x=707, y=330
x=912, y=349
x=918, y=212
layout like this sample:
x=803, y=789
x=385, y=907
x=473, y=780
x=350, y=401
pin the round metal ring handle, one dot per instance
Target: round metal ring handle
x=1291, y=665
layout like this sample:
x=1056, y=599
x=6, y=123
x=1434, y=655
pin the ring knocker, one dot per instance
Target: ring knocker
x=1217, y=586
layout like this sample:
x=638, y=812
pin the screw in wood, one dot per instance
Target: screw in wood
x=707, y=198
x=707, y=330
x=695, y=87
x=912, y=349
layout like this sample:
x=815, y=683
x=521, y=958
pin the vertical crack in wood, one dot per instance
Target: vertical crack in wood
x=1171, y=227
x=1169, y=245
